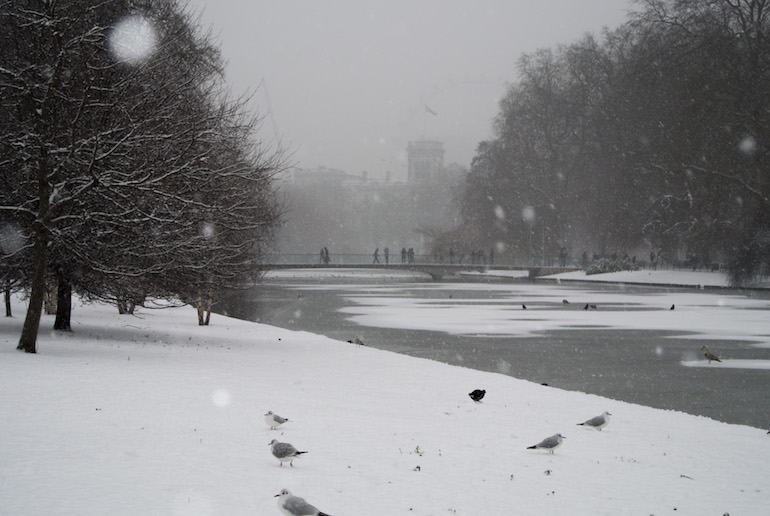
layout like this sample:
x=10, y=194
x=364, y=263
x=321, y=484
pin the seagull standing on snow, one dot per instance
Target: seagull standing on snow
x=274, y=420
x=709, y=354
x=285, y=452
x=598, y=422
x=549, y=443
x=291, y=505
x=477, y=395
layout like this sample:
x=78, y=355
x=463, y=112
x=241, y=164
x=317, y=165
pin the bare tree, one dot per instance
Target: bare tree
x=121, y=165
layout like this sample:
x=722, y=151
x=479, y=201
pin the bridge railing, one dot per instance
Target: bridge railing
x=395, y=258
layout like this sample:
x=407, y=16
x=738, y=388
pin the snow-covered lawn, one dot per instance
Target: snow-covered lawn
x=154, y=415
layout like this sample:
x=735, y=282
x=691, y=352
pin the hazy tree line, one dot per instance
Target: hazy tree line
x=124, y=181
x=652, y=136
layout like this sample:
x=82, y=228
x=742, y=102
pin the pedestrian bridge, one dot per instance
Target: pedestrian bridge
x=422, y=264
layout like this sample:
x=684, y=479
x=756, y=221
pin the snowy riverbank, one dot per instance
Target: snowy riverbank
x=152, y=414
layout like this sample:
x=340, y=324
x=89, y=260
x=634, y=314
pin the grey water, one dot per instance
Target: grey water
x=636, y=366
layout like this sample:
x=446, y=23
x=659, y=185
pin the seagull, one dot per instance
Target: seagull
x=274, y=420
x=291, y=505
x=477, y=395
x=285, y=452
x=356, y=340
x=598, y=422
x=549, y=443
x=709, y=354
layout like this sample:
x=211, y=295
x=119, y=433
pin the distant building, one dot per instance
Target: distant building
x=425, y=161
x=355, y=214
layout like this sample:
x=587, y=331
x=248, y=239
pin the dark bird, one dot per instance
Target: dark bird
x=593, y=306
x=549, y=443
x=672, y=307
x=477, y=395
x=564, y=302
x=709, y=354
x=524, y=307
x=285, y=452
x=585, y=307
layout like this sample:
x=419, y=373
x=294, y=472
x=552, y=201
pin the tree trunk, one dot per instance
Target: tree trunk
x=28, y=339
x=8, y=298
x=49, y=304
x=203, y=306
x=63, y=305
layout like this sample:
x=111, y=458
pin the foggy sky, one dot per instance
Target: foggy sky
x=344, y=84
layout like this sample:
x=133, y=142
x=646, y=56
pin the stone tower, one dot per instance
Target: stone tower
x=426, y=161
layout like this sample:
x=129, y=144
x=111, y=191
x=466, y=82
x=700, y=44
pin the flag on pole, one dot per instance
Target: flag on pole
x=429, y=110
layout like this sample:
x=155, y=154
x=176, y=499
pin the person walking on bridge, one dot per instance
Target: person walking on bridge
x=376, y=255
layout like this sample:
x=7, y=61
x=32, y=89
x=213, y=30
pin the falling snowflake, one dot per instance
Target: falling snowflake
x=132, y=40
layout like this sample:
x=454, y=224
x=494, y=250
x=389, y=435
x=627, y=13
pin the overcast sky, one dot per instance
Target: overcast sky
x=345, y=83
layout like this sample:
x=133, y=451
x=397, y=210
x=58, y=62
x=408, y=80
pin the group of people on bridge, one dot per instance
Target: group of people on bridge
x=407, y=256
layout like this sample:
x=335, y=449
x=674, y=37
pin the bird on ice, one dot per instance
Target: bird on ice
x=598, y=422
x=291, y=505
x=549, y=443
x=477, y=394
x=709, y=354
x=274, y=420
x=285, y=452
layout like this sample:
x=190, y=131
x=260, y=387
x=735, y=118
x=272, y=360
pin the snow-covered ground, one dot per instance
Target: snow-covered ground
x=154, y=415
x=702, y=279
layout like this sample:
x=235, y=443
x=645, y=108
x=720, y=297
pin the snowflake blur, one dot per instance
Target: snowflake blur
x=132, y=40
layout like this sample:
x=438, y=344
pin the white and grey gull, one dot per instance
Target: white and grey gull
x=598, y=422
x=549, y=443
x=285, y=452
x=291, y=505
x=274, y=420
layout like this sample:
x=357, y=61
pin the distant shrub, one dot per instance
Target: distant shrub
x=605, y=265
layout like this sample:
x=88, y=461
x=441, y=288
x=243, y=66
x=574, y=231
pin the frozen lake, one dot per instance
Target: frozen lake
x=631, y=347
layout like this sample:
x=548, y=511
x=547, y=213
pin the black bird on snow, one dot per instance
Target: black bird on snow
x=477, y=395
x=523, y=307
x=564, y=302
x=672, y=307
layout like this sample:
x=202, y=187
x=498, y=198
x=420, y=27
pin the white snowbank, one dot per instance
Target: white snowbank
x=154, y=415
